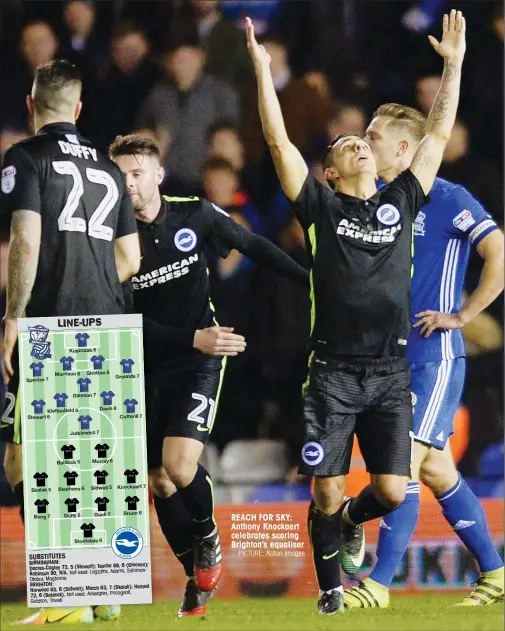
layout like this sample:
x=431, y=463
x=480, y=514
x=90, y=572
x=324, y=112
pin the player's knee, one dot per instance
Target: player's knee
x=328, y=494
x=391, y=492
x=181, y=470
x=161, y=484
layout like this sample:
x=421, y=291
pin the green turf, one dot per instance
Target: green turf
x=430, y=612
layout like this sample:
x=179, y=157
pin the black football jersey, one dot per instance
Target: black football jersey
x=172, y=288
x=82, y=199
x=361, y=253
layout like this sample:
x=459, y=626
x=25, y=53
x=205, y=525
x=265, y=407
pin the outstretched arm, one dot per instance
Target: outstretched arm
x=233, y=236
x=288, y=161
x=442, y=115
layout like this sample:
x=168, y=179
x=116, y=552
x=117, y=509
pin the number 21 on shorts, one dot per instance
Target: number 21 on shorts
x=206, y=406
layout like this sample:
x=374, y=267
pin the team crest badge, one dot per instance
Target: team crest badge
x=388, y=214
x=41, y=348
x=8, y=179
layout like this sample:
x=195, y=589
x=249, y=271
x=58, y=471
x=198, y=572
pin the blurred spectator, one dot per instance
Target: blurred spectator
x=305, y=111
x=346, y=118
x=225, y=142
x=38, y=45
x=220, y=181
x=483, y=88
x=8, y=138
x=426, y=91
x=186, y=107
x=482, y=179
x=283, y=321
x=233, y=295
x=86, y=48
x=224, y=45
x=123, y=86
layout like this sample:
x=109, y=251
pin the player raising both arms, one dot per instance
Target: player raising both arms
x=185, y=352
x=444, y=232
x=359, y=381
x=73, y=238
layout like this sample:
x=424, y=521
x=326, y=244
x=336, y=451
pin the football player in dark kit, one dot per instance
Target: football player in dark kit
x=72, y=241
x=185, y=352
x=359, y=381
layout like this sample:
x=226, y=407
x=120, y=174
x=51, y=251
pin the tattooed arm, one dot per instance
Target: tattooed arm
x=443, y=112
x=24, y=246
x=23, y=259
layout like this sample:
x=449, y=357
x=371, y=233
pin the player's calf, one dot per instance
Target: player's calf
x=365, y=507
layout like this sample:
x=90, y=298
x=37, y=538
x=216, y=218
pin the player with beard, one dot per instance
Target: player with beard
x=185, y=352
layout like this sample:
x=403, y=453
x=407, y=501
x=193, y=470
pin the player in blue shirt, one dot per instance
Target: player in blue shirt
x=130, y=405
x=37, y=368
x=84, y=421
x=97, y=361
x=60, y=399
x=127, y=365
x=38, y=406
x=444, y=231
x=82, y=339
x=67, y=362
x=84, y=384
x=107, y=397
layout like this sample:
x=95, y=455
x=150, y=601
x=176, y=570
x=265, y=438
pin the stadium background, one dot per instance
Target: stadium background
x=333, y=63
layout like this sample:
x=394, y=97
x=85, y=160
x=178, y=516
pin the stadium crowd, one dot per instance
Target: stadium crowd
x=179, y=70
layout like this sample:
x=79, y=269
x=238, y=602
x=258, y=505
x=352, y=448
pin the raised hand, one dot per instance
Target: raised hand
x=453, y=45
x=258, y=53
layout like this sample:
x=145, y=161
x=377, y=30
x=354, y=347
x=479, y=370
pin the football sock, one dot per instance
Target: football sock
x=177, y=526
x=198, y=498
x=467, y=518
x=396, y=530
x=20, y=496
x=365, y=507
x=325, y=538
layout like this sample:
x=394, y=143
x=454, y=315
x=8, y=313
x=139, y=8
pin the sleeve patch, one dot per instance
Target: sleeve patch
x=463, y=221
x=8, y=179
x=482, y=227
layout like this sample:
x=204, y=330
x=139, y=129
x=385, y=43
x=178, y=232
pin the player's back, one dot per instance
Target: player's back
x=81, y=197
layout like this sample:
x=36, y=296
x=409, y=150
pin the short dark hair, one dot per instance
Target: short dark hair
x=127, y=27
x=132, y=145
x=188, y=41
x=326, y=159
x=57, y=86
x=216, y=163
x=222, y=125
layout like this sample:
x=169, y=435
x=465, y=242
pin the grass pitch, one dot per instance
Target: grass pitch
x=407, y=613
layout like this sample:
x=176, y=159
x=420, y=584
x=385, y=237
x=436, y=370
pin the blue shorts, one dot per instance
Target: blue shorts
x=436, y=392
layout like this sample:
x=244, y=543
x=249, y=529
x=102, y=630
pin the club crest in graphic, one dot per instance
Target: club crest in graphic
x=127, y=542
x=41, y=348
